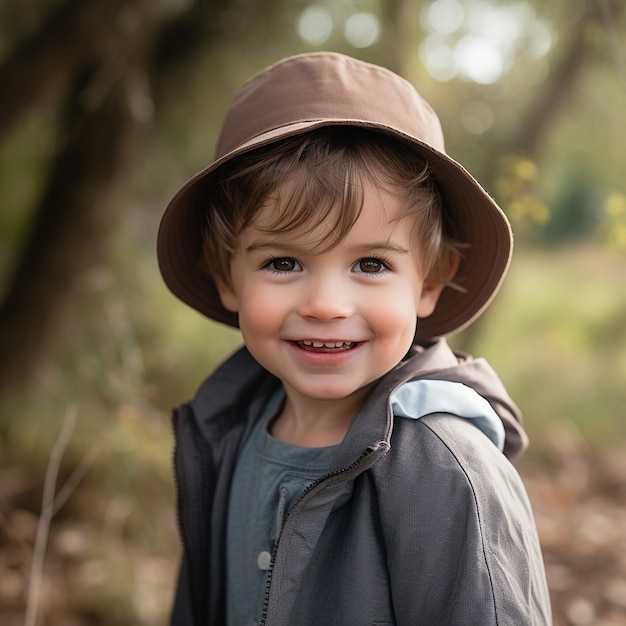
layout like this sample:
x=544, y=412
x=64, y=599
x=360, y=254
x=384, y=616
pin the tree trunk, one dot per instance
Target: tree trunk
x=115, y=57
x=42, y=66
x=104, y=120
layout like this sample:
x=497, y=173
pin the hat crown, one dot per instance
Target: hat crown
x=327, y=87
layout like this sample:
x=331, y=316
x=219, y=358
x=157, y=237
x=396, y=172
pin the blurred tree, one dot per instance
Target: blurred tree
x=111, y=63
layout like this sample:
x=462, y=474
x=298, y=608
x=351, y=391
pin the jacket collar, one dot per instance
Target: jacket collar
x=373, y=425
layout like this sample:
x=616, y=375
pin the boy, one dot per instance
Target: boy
x=345, y=467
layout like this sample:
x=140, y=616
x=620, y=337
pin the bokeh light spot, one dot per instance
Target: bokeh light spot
x=315, y=25
x=362, y=30
x=437, y=54
x=478, y=60
x=443, y=16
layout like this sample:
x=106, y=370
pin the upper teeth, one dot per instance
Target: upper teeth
x=325, y=344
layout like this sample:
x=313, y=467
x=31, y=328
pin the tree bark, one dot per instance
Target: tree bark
x=113, y=57
x=559, y=89
x=42, y=66
x=104, y=119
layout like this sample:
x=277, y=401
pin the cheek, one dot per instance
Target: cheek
x=258, y=314
x=395, y=318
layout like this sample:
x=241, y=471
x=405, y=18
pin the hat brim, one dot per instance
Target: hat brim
x=477, y=221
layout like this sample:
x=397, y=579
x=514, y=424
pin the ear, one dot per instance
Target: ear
x=227, y=295
x=431, y=289
x=224, y=290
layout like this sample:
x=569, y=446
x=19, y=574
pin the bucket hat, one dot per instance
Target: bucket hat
x=309, y=91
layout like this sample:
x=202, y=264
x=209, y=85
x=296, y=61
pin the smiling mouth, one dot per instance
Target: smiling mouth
x=326, y=346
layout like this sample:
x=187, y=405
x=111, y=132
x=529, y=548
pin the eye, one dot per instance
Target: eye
x=370, y=266
x=283, y=264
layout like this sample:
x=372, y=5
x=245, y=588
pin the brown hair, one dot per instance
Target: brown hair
x=316, y=178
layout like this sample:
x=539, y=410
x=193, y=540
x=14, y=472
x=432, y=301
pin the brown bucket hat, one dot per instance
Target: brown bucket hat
x=308, y=91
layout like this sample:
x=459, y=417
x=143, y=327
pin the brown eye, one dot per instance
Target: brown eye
x=284, y=264
x=369, y=266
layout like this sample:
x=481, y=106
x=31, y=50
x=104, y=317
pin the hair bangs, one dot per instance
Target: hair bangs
x=327, y=197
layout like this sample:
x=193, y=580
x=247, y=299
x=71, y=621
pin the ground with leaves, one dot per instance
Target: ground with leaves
x=102, y=568
x=580, y=508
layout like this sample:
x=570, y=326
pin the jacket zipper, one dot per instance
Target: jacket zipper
x=340, y=472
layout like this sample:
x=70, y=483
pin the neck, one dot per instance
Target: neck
x=313, y=423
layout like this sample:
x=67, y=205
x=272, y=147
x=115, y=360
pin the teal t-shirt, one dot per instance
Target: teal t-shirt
x=269, y=476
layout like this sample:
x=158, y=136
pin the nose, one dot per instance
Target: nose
x=325, y=298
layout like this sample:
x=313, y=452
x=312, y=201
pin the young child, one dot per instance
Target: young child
x=345, y=467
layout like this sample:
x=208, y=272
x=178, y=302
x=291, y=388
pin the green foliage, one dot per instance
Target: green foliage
x=613, y=228
x=573, y=216
x=515, y=190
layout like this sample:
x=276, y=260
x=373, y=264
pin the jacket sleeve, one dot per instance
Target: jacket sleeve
x=461, y=541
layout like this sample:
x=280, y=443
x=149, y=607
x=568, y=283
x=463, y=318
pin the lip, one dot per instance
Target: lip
x=325, y=351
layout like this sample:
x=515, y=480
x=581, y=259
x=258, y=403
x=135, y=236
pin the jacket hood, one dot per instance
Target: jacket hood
x=439, y=362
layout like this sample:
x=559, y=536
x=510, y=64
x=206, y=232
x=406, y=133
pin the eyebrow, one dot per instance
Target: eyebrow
x=366, y=247
x=387, y=245
x=261, y=245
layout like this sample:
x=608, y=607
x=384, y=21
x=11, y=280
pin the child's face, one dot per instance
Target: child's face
x=330, y=324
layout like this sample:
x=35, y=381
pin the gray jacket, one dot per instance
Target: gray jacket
x=418, y=522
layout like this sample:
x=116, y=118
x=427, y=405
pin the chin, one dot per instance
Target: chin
x=330, y=393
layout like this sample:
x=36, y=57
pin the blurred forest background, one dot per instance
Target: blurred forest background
x=107, y=106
